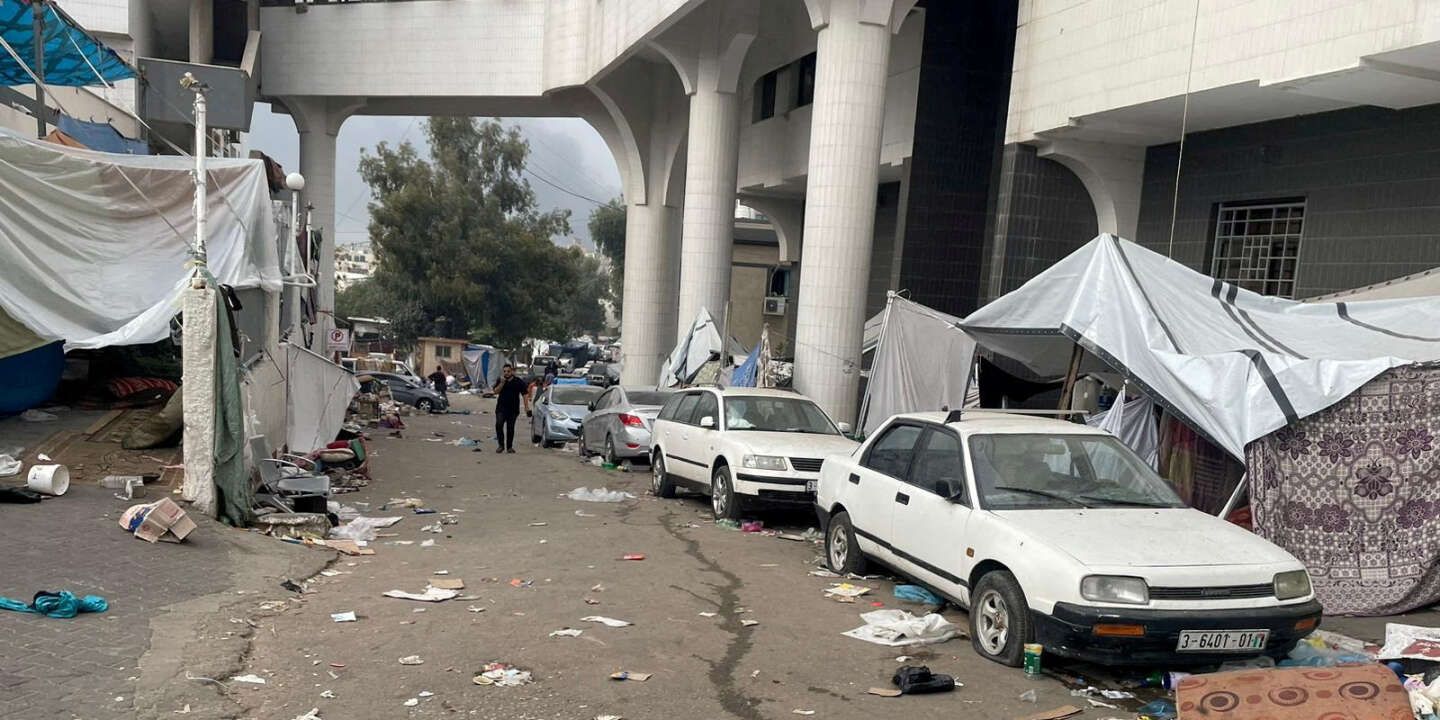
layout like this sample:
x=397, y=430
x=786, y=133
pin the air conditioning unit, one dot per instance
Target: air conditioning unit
x=775, y=306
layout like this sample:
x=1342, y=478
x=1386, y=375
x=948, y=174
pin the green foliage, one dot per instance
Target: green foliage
x=459, y=236
x=607, y=230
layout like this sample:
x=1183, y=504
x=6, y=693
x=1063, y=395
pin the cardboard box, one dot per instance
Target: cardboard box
x=165, y=521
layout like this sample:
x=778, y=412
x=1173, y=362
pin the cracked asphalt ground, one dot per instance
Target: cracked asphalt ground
x=517, y=526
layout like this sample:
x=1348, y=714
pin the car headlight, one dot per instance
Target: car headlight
x=1115, y=589
x=764, y=462
x=1291, y=585
x=557, y=415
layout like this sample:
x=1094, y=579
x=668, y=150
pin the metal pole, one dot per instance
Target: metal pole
x=1234, y=500
x=201, y=203
x=37, y=10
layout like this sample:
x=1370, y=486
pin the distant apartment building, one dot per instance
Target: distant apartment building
x=353, y=263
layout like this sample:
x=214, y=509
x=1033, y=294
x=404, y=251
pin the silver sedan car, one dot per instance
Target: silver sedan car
x=619, y=422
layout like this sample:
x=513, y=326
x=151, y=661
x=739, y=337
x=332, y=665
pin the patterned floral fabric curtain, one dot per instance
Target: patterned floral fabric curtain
x=1354, y=492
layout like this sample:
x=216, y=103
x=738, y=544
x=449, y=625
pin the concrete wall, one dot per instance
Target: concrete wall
x=1370, y=179
x=1077, y=57
x=1042, y=214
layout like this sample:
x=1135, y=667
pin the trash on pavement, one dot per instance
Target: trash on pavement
x=362, y=528
x=606, y=621
x=845, y=592
x=160, y=520
x=752, y=526
x=749, y=623
x=252, y=679
x=33, y=415
x=1410, y=642
x=538, y=524
x=1063, y=711
x=340, y=617
x=9, y=466
x=897, y=628
x=412, y=702
x=406, y=502
x=431, y=594
x=798, y=711
x=328, y=694
x=1034, y=654
x=633, y=556
x=1161, y=709
x=448, y=583
x=728, y=524
x=1029, y=696
x=823, y=573
x=314, y=713
x=707, y=614
x=502, y=675
x=294, y=525
x=518, y=583
x=427, y=543
x=1101, y=704
x=917, y=594
x=475, y=609
x=63, y=604
x=464, y=442
x=349, y=547
x=599, y=495
x=411, y=660
x=566, y=632
x=917, y=680
x=627, y=675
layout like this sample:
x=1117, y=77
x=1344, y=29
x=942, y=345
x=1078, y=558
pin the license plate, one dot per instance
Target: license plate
x=810, y=486
x=1222, y=640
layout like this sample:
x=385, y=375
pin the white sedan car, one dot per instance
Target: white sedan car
x=1056, y=533
x=742, y=446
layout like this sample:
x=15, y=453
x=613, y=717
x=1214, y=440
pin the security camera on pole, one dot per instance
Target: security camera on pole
x=198, y=339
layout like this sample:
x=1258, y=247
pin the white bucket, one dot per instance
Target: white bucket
x=49, y=479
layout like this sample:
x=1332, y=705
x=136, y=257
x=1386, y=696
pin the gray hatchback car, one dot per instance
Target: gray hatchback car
x=619, y=422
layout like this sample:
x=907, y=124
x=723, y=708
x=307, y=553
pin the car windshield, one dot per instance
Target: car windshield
x=573, y=394
x=776, y=414
x=1021, y=472
x=649, y=397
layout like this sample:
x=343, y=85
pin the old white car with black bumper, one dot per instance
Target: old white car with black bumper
x=1055, y=533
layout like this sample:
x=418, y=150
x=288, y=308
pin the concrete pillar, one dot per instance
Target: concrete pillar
x=202, y=31
x=648, y=312
x=318, y=122
x=712, y=160
x=853, y=52
x=198, y=376
x=1113, y=175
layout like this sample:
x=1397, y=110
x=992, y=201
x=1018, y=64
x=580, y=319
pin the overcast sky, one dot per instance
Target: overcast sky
x=566, y=151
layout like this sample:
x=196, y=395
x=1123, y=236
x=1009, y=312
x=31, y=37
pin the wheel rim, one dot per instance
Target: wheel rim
x=425, y=405
x=839, y=547
x=657, y=473
x=993, y=624
x=720, y=493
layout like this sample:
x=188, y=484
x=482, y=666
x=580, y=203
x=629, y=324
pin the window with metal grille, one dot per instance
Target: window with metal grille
x=1257, y=245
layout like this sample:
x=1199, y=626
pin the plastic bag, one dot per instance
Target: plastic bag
x=599, y=495
x=917, y=594
x=361, y=528
x=9, y=466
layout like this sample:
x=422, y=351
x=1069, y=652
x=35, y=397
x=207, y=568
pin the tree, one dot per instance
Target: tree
x=607, y=230
x=361, y=299
x=586, y=314
x=459, y=236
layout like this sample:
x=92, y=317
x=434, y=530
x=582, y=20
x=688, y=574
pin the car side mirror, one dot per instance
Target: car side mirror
x=846, y=428
x=707, y=422
x=591, y=406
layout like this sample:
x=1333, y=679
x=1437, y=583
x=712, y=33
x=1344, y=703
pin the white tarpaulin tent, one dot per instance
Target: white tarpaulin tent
x=694, y=350
x=483, y=365
x=95, y=246
x=317, y=394
x=922, y=362
x=1233, y=364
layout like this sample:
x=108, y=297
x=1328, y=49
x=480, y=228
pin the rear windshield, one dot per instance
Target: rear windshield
x=648, y=397
x=573, y=394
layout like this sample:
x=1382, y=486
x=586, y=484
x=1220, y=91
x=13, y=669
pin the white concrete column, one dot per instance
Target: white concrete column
x=852, y=62
x=648, y=311
x=198, y=399
x=712, y=159
x=1113, y=175
x=317, y=164
x=202, y=31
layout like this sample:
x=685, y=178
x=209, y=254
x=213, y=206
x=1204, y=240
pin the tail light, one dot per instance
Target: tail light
x=631, y=420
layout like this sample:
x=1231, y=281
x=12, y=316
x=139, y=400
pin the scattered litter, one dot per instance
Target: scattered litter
x=475, y=609
x=749, y=623
x=343, y=617
x=252, y=679
x=918, y=680
x=518, y=583
x=798, y=711
x=608, y=717
x=332, y=573
x=425, y=511
x=435, y=528
x=1117, y=694
x=538, y=524
x=591, y=601
x=903, y=659
x=1162, y=709
x=897, y=628
x=425, y=694
x=314, y=713
x=337, y=665
x=633, y=556
x=845, y=592
x=9, y=466
x=404, y=503
x=362, y=528
x=608, y=622
x=627, y=675
x=328, y=694
x=1410, y=641
x=1101, y=704
x=728, y=524
x=160, y=520
x=567, y=632
x=502, y=675
x=707, y=614
x=448, y=583
x=33, y=415
x=582, y=513
x=431, y=594
x=752, y=526
x=917, y=594
x=1063, y=711
x=1029, y=696
x=428, y=543
x=599, y=495
x=598, y=588
x=441, y=572
x=412, y=702
x=411, y=660
x=825, y=573
x=884, y=692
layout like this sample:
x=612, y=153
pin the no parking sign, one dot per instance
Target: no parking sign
x=339, y=340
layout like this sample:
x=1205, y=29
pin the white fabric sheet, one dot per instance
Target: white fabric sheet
x=1234, y=364
x=1134, y=423
x=318, y=392
x=693, y=350
x=90, y=260
x=922, y=362
x=483, y=365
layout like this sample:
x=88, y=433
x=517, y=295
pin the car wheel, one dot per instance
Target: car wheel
x=842, y=552
x=610, y=456
x=660, y=482
x=723, y=500
x=424, y=405
x=1000, y=619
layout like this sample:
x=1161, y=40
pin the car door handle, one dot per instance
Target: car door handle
x=902, y=498
x=854, y=479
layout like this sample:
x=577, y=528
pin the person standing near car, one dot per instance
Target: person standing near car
x=439, y=379
x=509, y=391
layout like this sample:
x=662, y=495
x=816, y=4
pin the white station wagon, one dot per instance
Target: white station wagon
x=1056, y=533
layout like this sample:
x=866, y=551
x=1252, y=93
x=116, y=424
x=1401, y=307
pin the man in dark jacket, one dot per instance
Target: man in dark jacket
x=510, y=391
x=439, y=379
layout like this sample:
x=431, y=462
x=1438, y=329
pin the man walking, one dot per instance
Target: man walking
x=509, y=391
x=439, y=379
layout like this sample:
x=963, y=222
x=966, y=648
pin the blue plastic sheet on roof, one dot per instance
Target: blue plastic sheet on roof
x=72, y=56
x=101, y=136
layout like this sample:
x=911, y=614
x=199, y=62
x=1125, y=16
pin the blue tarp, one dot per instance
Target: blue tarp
x=745, y=375
x=101, y=136
x=70, y=52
